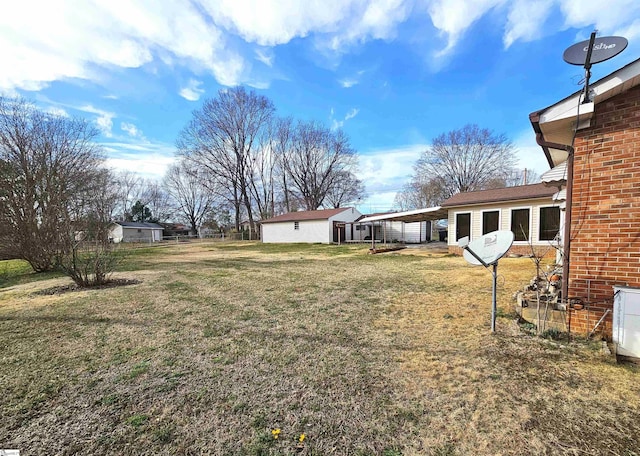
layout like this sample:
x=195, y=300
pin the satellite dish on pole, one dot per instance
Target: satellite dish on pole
x=486, y=251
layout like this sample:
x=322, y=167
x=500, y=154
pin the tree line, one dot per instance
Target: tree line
x=260, y=165
x=236, y=158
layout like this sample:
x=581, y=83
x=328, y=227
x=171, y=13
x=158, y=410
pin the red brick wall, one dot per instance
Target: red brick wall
x=605, y=246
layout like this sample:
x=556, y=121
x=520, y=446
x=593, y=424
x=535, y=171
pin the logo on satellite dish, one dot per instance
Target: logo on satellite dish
x=490, y=240
x=600, y=46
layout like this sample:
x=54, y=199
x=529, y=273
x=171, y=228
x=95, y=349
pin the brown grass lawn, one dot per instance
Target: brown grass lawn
x=220, y=344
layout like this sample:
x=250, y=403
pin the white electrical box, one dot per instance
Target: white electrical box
x=626, y=321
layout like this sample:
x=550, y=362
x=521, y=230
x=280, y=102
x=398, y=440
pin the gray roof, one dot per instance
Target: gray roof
x=141, y=225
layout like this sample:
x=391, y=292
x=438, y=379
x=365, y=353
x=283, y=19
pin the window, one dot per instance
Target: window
x=549, y=223
x=520, y=224
x=360, y=228
x=139, y=231
x=463, y=225
x=490, y=221
x=296, y=225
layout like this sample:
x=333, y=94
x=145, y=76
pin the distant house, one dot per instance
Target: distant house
x=176, y=229
x=529, y=211
x=134, y=232
x=321, y=226
x=604, y=249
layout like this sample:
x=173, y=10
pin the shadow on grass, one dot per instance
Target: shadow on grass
x=72, y=319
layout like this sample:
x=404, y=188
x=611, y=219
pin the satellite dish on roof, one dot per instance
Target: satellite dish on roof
x=603, y=48
x=486, y=251
x=593, y=50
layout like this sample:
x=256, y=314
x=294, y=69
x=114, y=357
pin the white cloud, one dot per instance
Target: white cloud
x=265, y=56
x=131, y=130
x=339, y=22
x=385, y=172
x=346, y=83
x=192, y=90
x=605, y=17
x=104, y=121
x=351, y=114
x=59, y=112
x=79, y=40
x=84, y=40
x=525, y=19
x=454, y=17
x=150, y=159
x=336, y=124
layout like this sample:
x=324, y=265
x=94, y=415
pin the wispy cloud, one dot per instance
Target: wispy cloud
x=56, y=111
x=104, y=121
x=351, y=114
x=192, y=90
x=347, y=83
x=148, y=158
x=385, y=172
x=265, y=55
x=131, y=130
x=336, y=124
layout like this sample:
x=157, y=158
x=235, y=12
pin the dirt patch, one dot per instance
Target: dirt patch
x=73, y=287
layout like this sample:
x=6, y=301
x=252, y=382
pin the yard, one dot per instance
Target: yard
x=222, y=347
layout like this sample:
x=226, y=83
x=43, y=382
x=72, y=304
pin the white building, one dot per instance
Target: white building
x=322, y=226
x=135, y=232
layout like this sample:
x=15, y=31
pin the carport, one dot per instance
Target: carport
x=416, y=215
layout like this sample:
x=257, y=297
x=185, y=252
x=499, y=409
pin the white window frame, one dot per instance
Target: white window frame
x=455, y=225
x=499, y=211
x=532, y=235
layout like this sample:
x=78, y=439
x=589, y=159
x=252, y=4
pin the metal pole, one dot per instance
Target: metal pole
x=587, y=69
x=494, y=304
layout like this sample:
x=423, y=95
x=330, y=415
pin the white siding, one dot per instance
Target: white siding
x=309, y=231
x=115, y=233
x=505, y=218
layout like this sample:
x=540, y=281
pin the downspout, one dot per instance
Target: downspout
x=566, y=237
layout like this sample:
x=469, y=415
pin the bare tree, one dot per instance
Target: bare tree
x=316, y=161
x=467, y=159
x=281, y=143
x=221, y=138
x=347, y=188
x=87, y=256
x=47, y=161
x=262, y=184
x=192, y=198
x=420, y=194
x=130, y=190
x=157, y=200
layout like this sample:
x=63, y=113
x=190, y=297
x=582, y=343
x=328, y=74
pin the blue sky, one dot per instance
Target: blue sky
x=392, y=73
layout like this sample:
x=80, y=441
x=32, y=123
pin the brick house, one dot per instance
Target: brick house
x=605, y=204
x=529, y=211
